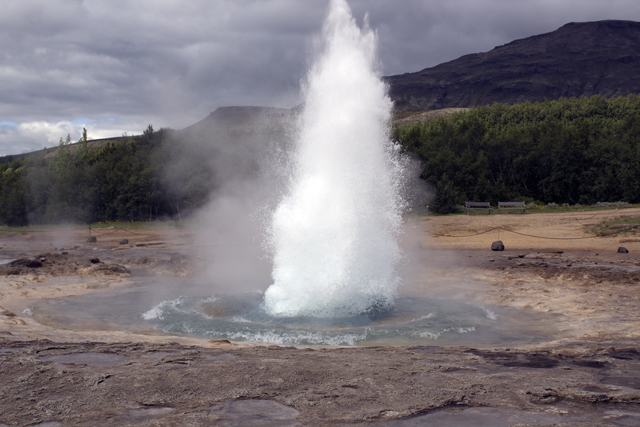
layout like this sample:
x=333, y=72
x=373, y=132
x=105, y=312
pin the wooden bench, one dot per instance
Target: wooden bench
x=469, y=206
x=512, y=205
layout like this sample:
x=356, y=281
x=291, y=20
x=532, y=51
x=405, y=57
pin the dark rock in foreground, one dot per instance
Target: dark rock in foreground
x=497, y=246
x=53, y=264
x=25, y=262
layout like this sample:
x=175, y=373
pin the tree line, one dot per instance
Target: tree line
x=577, y=151
x=127, y=180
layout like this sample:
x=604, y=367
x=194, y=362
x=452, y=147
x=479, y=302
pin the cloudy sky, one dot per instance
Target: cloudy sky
x=115, y=66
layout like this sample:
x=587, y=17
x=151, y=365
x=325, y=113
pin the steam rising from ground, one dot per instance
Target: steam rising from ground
x=248, y=153
x=333, y=235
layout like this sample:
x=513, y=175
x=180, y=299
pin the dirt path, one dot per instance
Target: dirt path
x=560, y=231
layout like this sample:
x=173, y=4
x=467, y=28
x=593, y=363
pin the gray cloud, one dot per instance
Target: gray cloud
x=115, y=66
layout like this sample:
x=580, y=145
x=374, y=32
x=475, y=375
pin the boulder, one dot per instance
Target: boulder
x=497, y=246
x=24, y=262
x=106, y=270
x=91, y=239
x=124, y=241
x=623, y=250
x=7, y=313
x=144, y=244
x=95, y=260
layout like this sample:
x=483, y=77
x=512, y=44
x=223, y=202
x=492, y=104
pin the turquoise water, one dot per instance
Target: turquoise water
x=182, y=309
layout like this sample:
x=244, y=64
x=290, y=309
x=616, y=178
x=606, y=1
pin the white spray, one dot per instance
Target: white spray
x=333, y=235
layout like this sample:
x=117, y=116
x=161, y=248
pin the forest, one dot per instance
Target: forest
x=576, y=151
x=126, y=180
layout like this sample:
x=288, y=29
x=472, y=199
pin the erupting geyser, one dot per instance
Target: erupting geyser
x=333, y=235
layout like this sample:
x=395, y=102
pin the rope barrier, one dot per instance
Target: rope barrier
x=466, y=235
x=523, y=234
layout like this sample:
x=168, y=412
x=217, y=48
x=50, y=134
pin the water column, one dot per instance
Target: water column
x=333, y=235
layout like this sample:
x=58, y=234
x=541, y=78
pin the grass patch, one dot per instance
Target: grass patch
x=625, y=226
x=577, y=208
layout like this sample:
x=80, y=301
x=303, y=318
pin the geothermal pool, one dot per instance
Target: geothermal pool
x=182, y=309
x=332, y=237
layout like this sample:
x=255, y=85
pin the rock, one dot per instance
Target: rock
x=107, y=270
x=7, y=313
x=25, y=262
x=144, y=244
x=124, y=241
x=91, y=239
x=497, y=246
x=623, y=250
x=95, y=260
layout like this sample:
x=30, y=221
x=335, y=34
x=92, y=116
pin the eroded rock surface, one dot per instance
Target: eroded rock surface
x=62, y=264
x=171, y=384
x=586, y=374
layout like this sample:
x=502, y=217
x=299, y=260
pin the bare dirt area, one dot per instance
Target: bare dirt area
x=551, y=265
x=584, y=373
x=540, y=231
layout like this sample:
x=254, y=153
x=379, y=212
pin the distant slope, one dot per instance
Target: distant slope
x=223, y=121
x=590, y=58
x=241, y=118
x=578, y=59
x=412, y=117
x=50, y=153
x=239, y=124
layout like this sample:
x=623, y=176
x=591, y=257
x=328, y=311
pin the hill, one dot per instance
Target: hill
x=49, y=154
x=159, y=174
x=575, y=151
x=578, y=59
x=225, y=120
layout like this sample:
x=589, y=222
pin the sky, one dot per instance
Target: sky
x=116, y=66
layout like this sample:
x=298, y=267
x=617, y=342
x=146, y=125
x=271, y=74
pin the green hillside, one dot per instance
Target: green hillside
x=164, y=174
x=576, y=151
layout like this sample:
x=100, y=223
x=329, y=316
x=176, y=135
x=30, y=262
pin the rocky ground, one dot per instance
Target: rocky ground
x=172, y=384
x=585, y=374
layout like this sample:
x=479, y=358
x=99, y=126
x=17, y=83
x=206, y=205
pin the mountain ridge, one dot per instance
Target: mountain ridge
x=578, y=59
